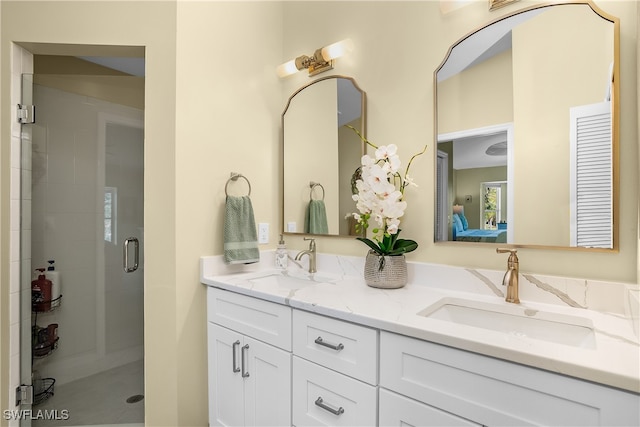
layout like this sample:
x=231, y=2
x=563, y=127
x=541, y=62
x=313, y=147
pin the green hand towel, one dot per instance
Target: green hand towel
x=315, y=221
x=240, y=236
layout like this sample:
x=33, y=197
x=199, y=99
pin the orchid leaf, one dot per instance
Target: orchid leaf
x=371, y=244
x=403, y=246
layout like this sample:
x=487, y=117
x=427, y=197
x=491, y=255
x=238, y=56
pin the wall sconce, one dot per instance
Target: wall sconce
x=320, y=61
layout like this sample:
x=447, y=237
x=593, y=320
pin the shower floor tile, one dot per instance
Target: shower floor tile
x=98, y=399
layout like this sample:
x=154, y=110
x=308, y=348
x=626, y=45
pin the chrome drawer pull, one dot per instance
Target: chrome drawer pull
x=234, y=346
x=245, y=373
x=338, y=347
x=320, y=403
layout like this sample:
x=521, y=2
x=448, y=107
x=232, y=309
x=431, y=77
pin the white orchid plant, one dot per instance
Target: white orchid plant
x=380, y=199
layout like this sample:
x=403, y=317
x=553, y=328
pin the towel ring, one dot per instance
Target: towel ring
x=234, y=177
x=313, y=185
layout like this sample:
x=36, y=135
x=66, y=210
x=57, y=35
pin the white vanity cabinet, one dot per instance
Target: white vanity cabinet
x=249, y=343
x=488, y=391
x=270, y=364
x=335, y=372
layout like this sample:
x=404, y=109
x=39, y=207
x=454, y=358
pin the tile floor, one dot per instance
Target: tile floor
x=99, y=399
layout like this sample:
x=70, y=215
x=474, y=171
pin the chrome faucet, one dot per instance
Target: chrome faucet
x=311, y=252
x=510, y=279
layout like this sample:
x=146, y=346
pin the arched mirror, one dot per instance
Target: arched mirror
x=321, y=155
x=527, y=127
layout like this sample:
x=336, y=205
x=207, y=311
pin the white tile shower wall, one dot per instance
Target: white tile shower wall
x=21, y=62
x=67, y=217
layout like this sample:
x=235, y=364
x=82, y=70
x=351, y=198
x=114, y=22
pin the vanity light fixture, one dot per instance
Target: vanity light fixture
x=320, y=61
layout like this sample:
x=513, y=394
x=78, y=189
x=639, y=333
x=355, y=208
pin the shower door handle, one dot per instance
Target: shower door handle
x=125, y=255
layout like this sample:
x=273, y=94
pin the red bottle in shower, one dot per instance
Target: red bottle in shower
x=41, y=292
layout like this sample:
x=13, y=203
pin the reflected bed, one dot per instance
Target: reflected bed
x=476, y=235
x=462, y=232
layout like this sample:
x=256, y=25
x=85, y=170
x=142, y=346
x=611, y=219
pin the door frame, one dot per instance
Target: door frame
x=22, y=278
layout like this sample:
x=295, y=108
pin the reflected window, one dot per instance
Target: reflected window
x=491, y=206
x=110, y=210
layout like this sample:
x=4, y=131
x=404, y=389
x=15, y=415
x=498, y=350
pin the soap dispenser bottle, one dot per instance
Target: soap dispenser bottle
x=53, y=275
x=282, y=257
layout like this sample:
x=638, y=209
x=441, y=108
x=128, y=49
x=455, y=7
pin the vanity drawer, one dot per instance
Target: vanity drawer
x=322, y=397
x=342, y=346
x=491, y=391
x=397, y=410
x=266, y=321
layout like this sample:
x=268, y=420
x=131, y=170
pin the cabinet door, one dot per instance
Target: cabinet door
x=400, y=411
x=226, y=394
x=267, y=384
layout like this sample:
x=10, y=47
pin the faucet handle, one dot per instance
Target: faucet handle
x=312, y=243
x=513, y=256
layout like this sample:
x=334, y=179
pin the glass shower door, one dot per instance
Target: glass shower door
x=87, y=197
x=123, y=222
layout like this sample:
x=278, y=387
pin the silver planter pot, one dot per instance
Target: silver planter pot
x=387, y=272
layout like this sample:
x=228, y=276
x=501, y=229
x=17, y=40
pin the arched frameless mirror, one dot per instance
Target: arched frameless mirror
x=320, y=156
x=527, y=128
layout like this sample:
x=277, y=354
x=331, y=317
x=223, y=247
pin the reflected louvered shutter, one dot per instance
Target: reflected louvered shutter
x=591, y=176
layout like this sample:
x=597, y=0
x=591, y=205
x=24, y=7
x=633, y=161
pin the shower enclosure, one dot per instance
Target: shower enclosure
x=82, y=200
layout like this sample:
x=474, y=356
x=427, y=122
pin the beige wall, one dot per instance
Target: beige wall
x=123, y=23
x=213, y=105
x=226, y=61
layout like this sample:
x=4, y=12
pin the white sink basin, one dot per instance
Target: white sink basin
x=515, y=320
x=291, y=281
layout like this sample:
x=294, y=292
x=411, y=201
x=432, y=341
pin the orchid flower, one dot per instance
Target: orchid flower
x=380, y=201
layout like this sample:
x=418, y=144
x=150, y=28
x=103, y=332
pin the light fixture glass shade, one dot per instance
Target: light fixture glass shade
x=287, y=68
x=320, y=61
x=337, y=49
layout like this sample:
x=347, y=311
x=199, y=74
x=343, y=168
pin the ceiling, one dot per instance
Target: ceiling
x=470, y=152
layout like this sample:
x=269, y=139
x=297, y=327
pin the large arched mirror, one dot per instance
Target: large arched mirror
x=321, y=155
x=527, y=128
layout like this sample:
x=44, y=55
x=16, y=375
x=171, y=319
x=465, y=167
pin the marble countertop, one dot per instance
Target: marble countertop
x=339, y=291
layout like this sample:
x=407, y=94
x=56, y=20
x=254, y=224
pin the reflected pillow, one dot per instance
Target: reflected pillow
x=463, y=220
x=457, y=223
